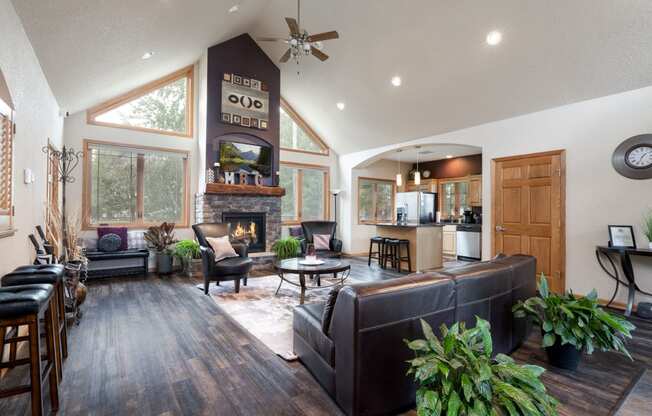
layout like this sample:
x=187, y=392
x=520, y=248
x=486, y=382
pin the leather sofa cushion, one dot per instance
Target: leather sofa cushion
x=327, y=312
x=307, y=324
x=57, y=269
x=234, y=265
x=23, y=300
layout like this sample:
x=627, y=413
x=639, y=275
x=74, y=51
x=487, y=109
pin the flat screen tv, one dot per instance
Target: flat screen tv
x=235, y=157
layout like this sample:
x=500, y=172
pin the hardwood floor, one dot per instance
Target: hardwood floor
x=158, y=346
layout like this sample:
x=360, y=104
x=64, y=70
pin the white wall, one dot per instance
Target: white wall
x=37, y=119
x=596, y=194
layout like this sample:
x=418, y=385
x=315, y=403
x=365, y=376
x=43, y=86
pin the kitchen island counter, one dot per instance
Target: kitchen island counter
x=425, y=242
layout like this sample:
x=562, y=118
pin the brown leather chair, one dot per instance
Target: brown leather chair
x=234, y=268
x=357, y=353
x=310, y=228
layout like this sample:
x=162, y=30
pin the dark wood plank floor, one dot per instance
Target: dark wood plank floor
x=158, y=346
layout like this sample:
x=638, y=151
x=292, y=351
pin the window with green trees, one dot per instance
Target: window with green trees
x=306, y=193
x=134, y=186
x=296, y=135
x=375, y=200
x=163, y=106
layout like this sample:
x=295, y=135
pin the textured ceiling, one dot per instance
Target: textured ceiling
x=553, y=53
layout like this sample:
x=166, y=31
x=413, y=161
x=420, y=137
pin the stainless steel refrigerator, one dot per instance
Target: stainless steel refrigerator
x=418, y=207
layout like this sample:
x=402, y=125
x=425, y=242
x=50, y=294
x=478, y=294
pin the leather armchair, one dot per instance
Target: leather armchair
x=234, y=268
x=310, y=228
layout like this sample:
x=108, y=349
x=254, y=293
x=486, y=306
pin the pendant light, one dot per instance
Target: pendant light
x=399, y=177
x=417, y=174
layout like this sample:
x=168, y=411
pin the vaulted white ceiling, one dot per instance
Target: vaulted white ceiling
x=553, y=53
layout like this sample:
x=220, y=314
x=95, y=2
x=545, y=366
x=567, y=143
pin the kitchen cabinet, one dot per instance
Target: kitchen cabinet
x=449, y=241
x=475, y=191
x=426, y=185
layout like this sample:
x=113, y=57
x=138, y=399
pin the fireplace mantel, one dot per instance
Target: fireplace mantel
x=221, y=188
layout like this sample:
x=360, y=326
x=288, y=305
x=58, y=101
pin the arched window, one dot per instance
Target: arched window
x=297, y=135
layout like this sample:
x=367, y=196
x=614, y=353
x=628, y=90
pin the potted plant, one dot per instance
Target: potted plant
x=572, y=325
x=286, y=248
x=647, y=228
x=160, y=238
x=457, y=376
x=187, y=251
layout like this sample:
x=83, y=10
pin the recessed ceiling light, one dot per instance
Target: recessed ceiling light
x=449, y=156
x=147, y=55
x=396, y=81
x=234, y=8
x=340, y=106
x=494, y=37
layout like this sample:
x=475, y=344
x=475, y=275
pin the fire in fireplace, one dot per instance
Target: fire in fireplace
x=247, y=227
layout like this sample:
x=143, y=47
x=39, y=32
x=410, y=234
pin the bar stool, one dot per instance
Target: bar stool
x=393, y=249
x=28, y=305
x=379, y=253
x=52, y=274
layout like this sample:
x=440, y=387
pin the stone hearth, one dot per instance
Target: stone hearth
x=210, y=207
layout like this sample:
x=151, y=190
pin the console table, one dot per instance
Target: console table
x=624, y=255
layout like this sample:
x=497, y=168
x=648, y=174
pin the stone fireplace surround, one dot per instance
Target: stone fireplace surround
x=210, y=207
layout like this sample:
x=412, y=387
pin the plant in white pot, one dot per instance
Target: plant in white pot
x=160, y=238
x=647, y=228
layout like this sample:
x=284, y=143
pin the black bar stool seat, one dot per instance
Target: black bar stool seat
x=52, y=274
x=393, y=253
x=379, y=252
x=27, y=305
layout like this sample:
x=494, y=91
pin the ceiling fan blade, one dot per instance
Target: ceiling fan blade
x=323, y=36
x=270, y=39
x=286, y=56
x=293, y=25
x=318, y=54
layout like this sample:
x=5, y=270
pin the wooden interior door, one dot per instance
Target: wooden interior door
x=529, y=211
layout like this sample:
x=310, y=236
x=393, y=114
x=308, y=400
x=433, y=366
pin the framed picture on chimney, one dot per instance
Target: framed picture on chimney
x=244, y=102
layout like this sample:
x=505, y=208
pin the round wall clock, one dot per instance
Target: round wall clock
x=633, y=157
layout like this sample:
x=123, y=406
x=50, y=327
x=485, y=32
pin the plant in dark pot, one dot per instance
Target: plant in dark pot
x=187, y=251
x=286, y=248
x=457, y=376
x=160, y=238
x=573, y=325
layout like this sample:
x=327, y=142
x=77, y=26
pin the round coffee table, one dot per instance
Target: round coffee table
x=294, y=267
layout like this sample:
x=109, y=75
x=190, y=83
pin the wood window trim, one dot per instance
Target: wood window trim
x=376, y=180
x=305, y=127
x=187, y=72
x=139, y=224
x=7, y=111
x=298, y=188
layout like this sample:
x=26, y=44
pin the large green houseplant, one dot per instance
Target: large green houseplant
x=286, y=248
x=571, y=325
x=160, y=238
x=186, y=251
x=457, y=376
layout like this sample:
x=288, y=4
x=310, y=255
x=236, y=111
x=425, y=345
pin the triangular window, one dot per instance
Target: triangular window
x=163, y=106
x=296, y=134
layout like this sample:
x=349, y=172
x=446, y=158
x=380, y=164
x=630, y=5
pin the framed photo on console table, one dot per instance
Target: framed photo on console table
x=622, y=236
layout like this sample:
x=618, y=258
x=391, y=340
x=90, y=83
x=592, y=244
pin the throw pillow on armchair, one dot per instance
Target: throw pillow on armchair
x=221, y=247
x=322, y=241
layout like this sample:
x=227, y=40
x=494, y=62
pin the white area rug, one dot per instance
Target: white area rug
x=265, y=315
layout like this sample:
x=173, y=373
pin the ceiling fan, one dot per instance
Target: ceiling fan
x=301, y=43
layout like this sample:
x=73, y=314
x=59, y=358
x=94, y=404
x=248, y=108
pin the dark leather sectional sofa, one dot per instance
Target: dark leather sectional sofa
x=359, y=356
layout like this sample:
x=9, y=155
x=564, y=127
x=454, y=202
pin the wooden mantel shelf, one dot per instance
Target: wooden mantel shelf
x=221, y=188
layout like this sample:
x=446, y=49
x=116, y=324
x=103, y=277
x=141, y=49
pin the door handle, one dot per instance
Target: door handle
x=500, y=228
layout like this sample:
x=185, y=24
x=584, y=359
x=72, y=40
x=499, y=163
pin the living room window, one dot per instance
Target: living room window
x=163, y=106
x=306, y=193
x=6, y=161
x=375, y=200
x=133, y=186
x=296, y=134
